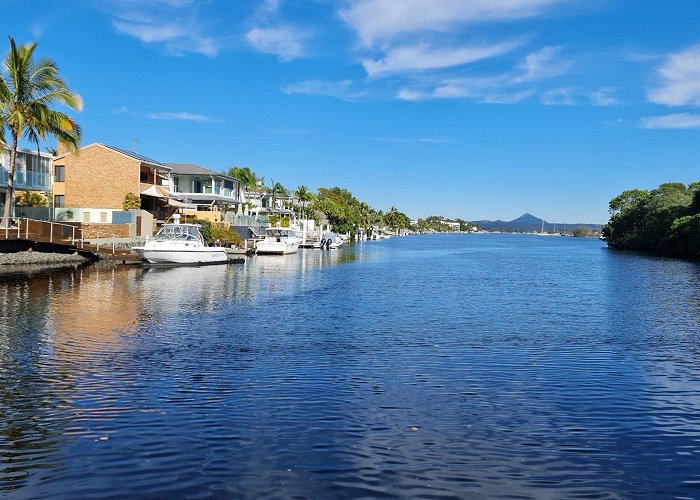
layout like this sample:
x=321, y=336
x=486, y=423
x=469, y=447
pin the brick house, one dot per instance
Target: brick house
x=100, y=176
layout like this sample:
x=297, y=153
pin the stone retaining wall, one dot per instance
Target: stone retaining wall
x=93, y=231
x=22, y=258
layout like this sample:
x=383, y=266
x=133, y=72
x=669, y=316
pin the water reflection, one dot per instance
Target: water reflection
x=446, y=366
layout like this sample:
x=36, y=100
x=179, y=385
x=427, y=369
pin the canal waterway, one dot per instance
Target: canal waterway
x=427, y=366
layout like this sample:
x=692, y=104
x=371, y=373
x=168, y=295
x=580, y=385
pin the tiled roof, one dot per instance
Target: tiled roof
x=192, y=169
x=135, y=156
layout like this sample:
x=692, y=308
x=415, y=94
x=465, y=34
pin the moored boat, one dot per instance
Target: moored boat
x=180, y=244
x=278, y=241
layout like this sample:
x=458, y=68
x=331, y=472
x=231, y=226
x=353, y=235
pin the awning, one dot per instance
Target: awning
x=156, y=192
x=175, y=203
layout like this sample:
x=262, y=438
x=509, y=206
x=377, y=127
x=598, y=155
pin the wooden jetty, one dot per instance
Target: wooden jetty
x=69, y=237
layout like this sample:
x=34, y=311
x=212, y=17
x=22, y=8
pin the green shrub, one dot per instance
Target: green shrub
x=131, y=201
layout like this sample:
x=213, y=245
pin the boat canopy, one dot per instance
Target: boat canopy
x=280, y=232
x=181, y=232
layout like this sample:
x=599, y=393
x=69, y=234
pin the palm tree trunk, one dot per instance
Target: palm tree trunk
x=8, y=211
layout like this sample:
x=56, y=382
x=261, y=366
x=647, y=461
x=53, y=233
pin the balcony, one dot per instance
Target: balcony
x=216, y=193
x=32, y=181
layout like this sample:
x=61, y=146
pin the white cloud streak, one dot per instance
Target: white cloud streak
x=604, y=96
x=286, y=42
x=422, y=56
x=171, y=24
x=562, y=96
x=376, y=20
x=341, y=89
x=541, y=64
x=679, y=77
x=179, y=115
x=672, y=121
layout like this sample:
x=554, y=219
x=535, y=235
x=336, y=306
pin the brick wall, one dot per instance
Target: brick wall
x=99, y=177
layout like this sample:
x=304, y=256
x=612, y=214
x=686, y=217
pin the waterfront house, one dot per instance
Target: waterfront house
x=96, y=181
x=32, y=172
x=211, y=194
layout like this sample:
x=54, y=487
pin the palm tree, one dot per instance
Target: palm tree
x=29, y=88
x=278, y=190
x=363, y=215
x=304, y=196
x=245, y=175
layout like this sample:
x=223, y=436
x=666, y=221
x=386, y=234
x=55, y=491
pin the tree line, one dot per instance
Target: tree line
x=665, y=220
x=336, y=206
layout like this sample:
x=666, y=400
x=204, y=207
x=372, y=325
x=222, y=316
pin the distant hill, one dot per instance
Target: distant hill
x=528, y=222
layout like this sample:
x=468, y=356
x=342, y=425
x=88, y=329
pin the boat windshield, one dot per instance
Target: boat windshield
x=280, y=232
x=179, y=232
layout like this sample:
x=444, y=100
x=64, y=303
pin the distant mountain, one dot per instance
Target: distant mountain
x=528, y=222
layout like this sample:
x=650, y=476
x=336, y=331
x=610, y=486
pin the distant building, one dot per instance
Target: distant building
x=454, y=226
x=206, y=189
x=32, y=171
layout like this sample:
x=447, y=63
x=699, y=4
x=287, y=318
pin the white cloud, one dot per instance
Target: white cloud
x=375, y=20
x=541, y=64
x=285, y=42
x=507, y=98
x=484, y=91
x=562, y=96
x=422, y=56
x=37, y=29
x=412, y=95
x=171, y=24
x=179, y=115
x=178, y=38
x=678, y=120
x=341, y=89
x=270, y=6
x=679, y=79
x=149, y=33
x=603, y=96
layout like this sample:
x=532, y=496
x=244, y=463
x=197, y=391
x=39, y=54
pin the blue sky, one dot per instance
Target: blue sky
x=467, y=108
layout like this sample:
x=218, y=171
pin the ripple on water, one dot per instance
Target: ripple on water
x=439, y=366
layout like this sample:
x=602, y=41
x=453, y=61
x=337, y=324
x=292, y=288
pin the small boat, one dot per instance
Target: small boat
x=330, y=241
x=180, y=244
x=279, y=241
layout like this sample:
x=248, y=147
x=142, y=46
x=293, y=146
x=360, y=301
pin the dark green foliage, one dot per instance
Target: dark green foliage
x=205, y=228
x=438, y=224
x=341, y=208
x=30, y=199
x=664, y=220
x=583, y=231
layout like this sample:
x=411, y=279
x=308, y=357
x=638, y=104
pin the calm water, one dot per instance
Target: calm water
x=431, y=366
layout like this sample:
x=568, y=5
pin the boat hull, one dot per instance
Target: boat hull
x=203, y=255
x=276, y=248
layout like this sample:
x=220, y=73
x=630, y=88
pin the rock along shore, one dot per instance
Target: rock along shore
x=23, y=258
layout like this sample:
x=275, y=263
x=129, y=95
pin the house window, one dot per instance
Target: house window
x=59, y=173
x=59, y=201
x=144, y=176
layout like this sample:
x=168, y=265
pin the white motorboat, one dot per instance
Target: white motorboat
x=180, y=244
x=278, y=240
x=330, y=241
